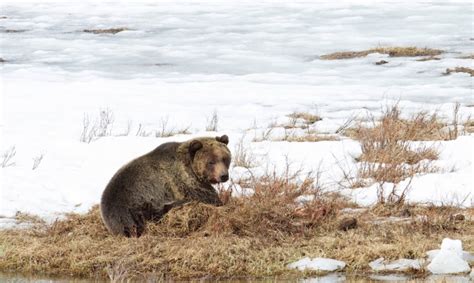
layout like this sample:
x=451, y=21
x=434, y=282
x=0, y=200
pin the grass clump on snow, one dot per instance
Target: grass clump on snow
x=388, y=152
x=306, y=117
x=105, y=31
x=391, y=51
x=460, y=70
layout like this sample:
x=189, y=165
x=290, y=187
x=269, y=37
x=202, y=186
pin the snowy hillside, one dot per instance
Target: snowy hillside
x=175, y=64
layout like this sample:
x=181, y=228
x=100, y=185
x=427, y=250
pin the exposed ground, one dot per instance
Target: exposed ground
x=105, y=31
x=244, y=238
x=391, y=51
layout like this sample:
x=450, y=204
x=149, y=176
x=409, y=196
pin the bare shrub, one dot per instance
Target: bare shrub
x=348, y=123
x=243, y=156
x=212, y=122
x=453, y=131
x=127, y=130
x=388, y=155
x=37, y=160
x=142, y=132
x=7, y=157
x=97, y=128
x=266, y=133
x=166, y=131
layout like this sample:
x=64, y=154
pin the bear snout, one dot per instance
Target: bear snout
x=225, y=177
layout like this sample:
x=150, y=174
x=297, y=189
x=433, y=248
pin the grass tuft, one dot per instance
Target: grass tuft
x=306, y=117
x=105, y=31
x=460, y=70
x=388, y=154
x=391, y=51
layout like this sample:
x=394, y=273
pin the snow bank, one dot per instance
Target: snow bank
x=449, y=259
x=180, y=63
x=317, y=264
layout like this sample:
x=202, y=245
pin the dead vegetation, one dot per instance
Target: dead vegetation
x=306, y=117
x=460, y=70
x=298, y=128
x=469, y=56
x=307, y=136
x=252, y=236
x=430, y=58
x=388, y=152
x=212, y=122
x=6, y=159
x=391, y=51
x=105, y=31
x=243, y=156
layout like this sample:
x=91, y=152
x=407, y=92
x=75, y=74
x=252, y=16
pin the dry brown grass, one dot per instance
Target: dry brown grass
x=469, y=126
x=460, y=70
x=388, y=154
x=250, y=237
x=309, y=137
x=430, y=58
x=308, y=118
x=469, y=56
x=105, y=31
x=391, y=51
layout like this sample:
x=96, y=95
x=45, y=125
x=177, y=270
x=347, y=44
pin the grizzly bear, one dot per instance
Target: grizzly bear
x=172, y=174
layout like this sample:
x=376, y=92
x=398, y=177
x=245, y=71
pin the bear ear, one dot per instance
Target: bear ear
x=224, y=139
x=194, y=146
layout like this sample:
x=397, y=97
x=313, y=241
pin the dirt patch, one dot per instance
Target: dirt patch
x=391, y=51
x=105, y=31
x=470, y=56
x=14, y=30
x=381, y=62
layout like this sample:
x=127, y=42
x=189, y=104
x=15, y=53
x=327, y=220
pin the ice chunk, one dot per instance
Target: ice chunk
x=452, y=245
x=318, y=264
x=449, y=259
x=398, y=265
x=467, y=256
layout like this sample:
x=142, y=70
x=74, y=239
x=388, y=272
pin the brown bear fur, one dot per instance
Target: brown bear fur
x=170, y=175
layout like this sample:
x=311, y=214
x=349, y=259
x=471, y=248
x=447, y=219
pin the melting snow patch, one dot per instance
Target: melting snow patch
x=398, y=265
x=318, y=264
x=449, y=259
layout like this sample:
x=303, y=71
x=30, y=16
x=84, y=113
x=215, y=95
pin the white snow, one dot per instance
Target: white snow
x=317, y=264
x=252, y=62
x=449, y=259
x=402, y=264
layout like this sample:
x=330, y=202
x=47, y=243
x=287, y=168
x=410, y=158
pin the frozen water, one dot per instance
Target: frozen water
x=403, y=264
x=467, y=256
x=449, y=259
x=318, y=264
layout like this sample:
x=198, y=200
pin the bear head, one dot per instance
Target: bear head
x=210, y=159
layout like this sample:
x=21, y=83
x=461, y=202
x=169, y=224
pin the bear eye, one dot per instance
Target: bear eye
x=212, y=162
